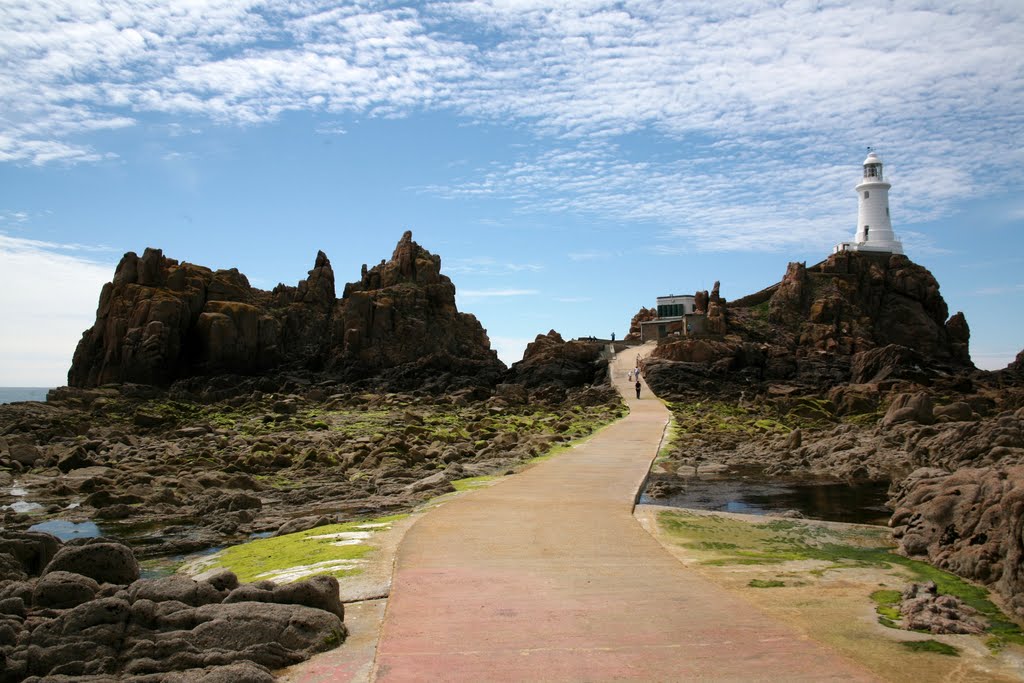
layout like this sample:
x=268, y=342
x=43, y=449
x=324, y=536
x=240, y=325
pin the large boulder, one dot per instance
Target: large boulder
x=970, y=522
x=244, y=626
x=916, y=407
x=105, y=562
x=60, y=590
x=27, y=454
x=549, y=360
x=29, y=551
x=177, y=588
x=320, y=592
x=73, y=458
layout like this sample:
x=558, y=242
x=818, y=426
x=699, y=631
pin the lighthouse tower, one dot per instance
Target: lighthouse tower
x=874, y=226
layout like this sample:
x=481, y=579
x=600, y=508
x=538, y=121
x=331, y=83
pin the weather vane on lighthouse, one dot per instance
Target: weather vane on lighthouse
x=874, y=224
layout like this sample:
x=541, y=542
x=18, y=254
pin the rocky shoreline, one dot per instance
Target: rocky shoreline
x=204, y=413
x=956, y=476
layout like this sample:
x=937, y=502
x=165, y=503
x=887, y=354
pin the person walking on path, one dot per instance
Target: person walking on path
x=638, y=387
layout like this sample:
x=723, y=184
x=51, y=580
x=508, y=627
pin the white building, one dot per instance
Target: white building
x=874, y=225
x=673, y=306
x=673, y=312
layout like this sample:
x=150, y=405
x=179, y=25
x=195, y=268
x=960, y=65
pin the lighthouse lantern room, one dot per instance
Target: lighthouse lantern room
x=874, y=225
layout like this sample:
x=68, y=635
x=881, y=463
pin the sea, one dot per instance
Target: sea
x=13, y=394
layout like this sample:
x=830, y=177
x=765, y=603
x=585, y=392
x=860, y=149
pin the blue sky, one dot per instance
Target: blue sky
x=569, y=161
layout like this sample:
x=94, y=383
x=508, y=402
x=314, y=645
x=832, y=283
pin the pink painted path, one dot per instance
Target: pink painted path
x=546, y=576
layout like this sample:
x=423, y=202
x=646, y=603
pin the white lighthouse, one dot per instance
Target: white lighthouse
x=874, y=226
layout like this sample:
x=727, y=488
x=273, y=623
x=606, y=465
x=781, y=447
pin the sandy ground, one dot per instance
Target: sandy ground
x=834, y=608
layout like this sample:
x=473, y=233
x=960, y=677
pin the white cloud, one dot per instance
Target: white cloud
x=755, y=113
x=47, y=299
x=485, y=265
x=331, y=129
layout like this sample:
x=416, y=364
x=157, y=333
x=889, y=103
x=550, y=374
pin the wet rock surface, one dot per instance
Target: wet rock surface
x=215, y=473
x=106, y=625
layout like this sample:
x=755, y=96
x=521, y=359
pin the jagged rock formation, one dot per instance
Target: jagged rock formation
x=856, y=314
x=550, y=360
x=702, y=301
x=855, y=301
x=642, y=316
x=1014, y=372
x=160, y=321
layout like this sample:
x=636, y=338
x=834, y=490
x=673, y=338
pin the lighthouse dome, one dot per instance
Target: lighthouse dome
x=872, y=159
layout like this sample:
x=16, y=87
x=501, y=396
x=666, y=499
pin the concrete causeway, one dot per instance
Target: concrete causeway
x=546, y=576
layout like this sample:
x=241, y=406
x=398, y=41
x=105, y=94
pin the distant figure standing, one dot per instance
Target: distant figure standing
x=638, y=388
x=613, y=336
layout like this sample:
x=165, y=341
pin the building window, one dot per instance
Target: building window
x=867, y=194
x=887, y=211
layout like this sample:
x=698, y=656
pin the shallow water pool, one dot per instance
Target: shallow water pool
x=857, y=503
x=65, y=530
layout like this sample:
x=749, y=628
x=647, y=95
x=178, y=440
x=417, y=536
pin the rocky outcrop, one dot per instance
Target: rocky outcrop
x=1014, y=372
x=550, y=360
x=856, y=301
x=787, y=304
x=402, y=313
x=969, y=522
x=160, y=321
x=642, y=316
x=887, y=363
x=853, y=317
x=915, y=407
x=108, y=625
